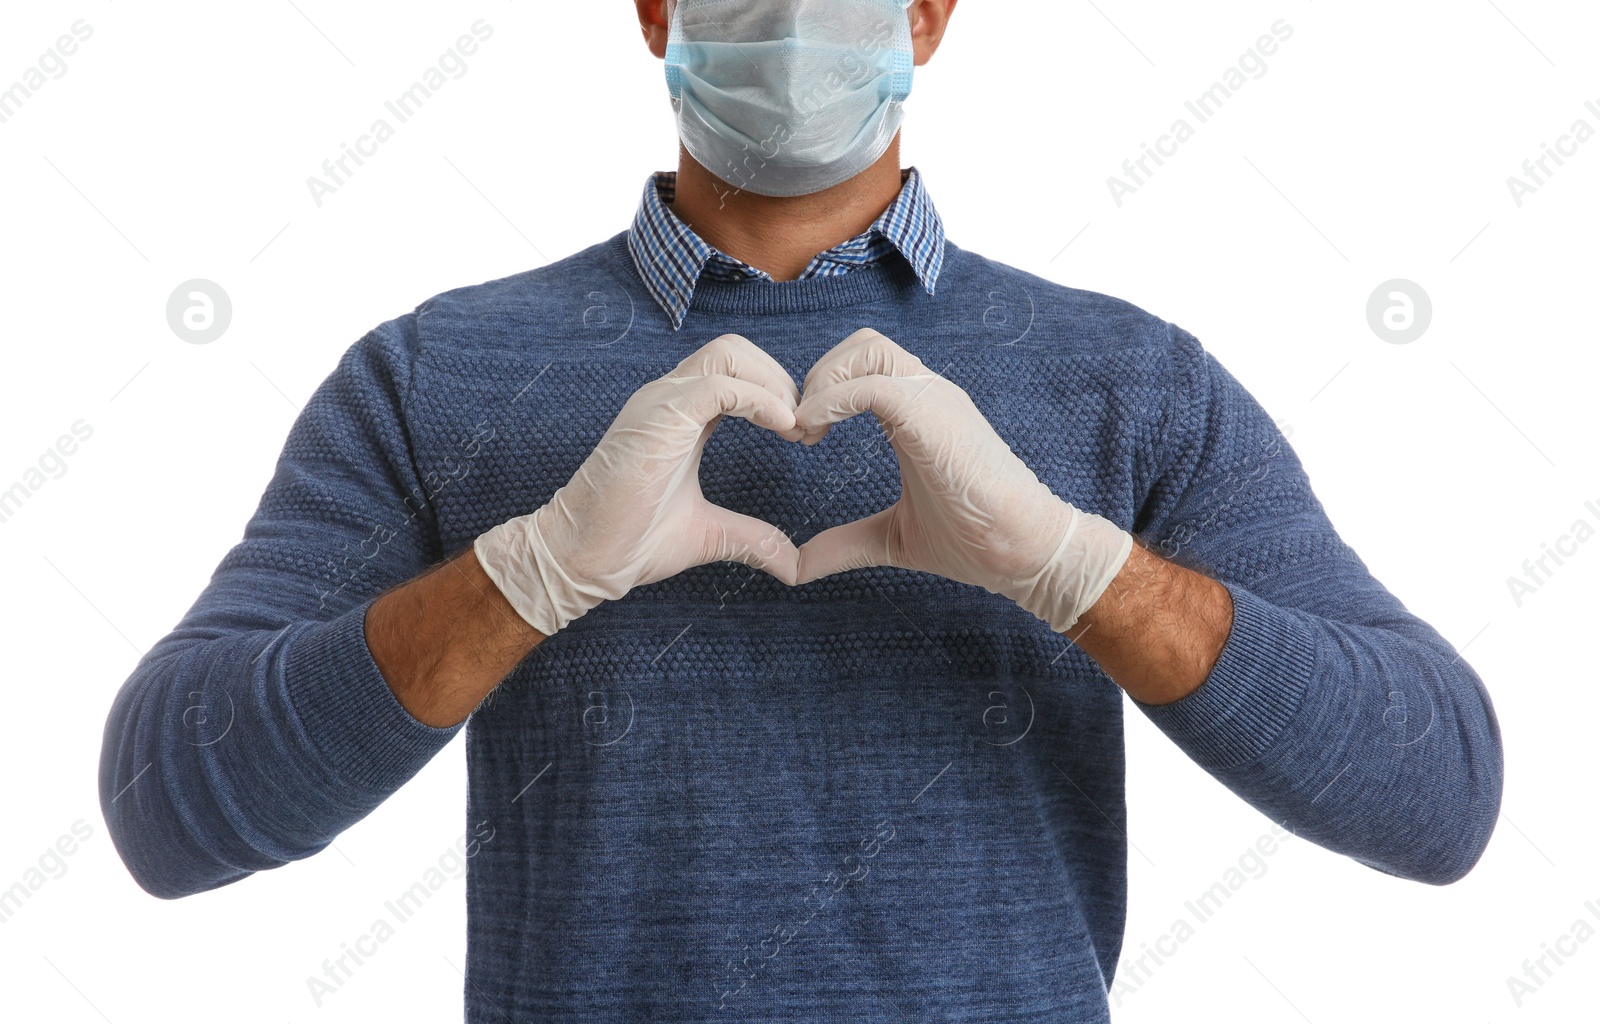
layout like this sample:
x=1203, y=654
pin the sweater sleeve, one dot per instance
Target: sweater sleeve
x=260, y=727
x=1332, y=708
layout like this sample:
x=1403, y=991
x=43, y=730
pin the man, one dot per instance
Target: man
x=778, y=711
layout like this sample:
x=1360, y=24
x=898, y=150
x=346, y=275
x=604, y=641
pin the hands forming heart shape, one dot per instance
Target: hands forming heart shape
x=969, y=508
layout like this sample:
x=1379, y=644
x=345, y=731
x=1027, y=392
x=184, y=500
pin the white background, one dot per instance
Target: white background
x=1377, y=146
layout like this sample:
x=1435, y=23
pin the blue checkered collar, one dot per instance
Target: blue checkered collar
x=671, y=258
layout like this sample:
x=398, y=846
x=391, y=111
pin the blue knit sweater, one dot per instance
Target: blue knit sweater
x=883, y=795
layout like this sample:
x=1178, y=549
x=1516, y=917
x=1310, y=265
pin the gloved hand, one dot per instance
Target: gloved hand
x=633, y=513
x=969, y=509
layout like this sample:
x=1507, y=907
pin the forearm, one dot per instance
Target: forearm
x=1158, y=629
x=236, y=747
x=1366, y=740
x=1329, y=707
x=445, y=639
x=261, y=727
x=1377, y=742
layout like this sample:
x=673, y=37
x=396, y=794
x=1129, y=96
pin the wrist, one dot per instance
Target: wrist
x=1159, y=629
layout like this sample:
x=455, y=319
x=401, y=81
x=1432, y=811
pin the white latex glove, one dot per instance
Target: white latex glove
x=633, y=513
x=969, y=509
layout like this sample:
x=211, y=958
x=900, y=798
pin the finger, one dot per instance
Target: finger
x=864, y=352
x=735, y=356
x=856, y=545
x=731, y=537
x=701, y=400
x=895, y=400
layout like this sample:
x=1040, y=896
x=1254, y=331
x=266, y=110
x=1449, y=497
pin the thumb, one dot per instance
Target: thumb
x=732, y=537
x=858, y=545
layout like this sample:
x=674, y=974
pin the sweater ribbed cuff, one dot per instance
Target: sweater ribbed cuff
x=1255, y=688
x=347, y=709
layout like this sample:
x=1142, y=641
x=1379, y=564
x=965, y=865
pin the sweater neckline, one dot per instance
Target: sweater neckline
x=891, y=279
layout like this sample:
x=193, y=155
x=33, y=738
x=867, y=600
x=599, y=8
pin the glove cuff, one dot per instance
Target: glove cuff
x=1091, y=553
x=516, y=558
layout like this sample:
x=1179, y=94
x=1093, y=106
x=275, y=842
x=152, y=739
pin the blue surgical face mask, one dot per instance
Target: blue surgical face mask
x=788, y=97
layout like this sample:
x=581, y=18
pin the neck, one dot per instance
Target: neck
x=780, y=235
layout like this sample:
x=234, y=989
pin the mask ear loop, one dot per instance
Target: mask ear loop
x=905, y=60
x=675, y=56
